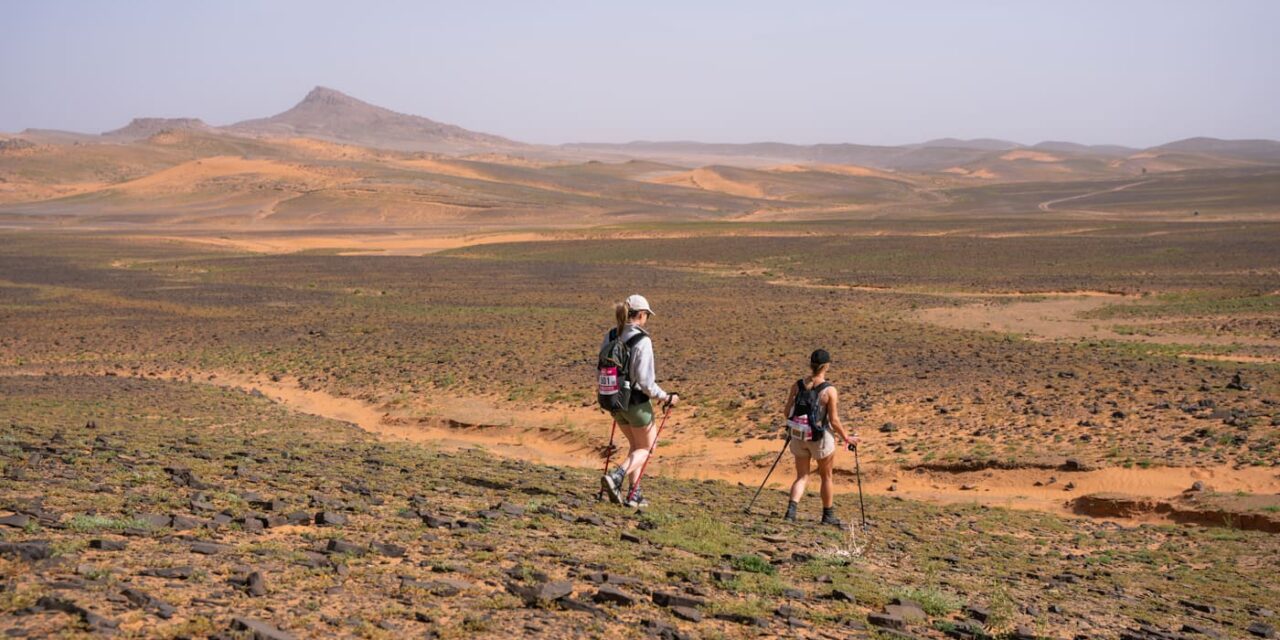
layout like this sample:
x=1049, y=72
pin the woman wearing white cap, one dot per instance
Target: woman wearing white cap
x=636, y=419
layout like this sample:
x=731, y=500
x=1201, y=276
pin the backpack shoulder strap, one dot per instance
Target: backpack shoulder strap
x=635, y=340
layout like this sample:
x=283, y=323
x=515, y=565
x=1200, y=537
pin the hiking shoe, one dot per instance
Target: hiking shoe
x=636, y=500
x=791, y=512
x=611, y=483
x=829, y=517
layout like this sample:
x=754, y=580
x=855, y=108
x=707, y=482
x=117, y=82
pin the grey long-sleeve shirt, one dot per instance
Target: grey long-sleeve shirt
x=642, y=374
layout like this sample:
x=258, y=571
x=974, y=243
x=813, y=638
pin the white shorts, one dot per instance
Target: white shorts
x=816, y=449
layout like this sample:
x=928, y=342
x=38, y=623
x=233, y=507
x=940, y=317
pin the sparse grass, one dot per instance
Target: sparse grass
x=96, y=523
x=933, y=600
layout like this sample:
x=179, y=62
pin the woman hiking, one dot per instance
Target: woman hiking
x=812, y=411
x=633, y=414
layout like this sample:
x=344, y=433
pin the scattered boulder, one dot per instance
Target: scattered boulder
x=258, y=629
x=610, y=593
x=29, y=551
x=331, y=518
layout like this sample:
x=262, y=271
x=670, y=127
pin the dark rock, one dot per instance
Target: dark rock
x=543, y=593
x=981, y=614
x=1198, y=606
x=258, y=629
x=172, y=573
x=256, y=585
x=29, y=551
x=436, y=522
x=143, y=600
x=590, y=519
x=184, y=523
x=1261, y=630
x=208, y=548
x=93, y=620
x=661, y=629
x=17, y=520
x=331, y=518
x=342, y=546
x=154, y=520
x=104, y=544
x=511, y=509
x=299, y=517
x=888, y=427
x=687, y=613
x=387, y=549
x=609, y=593
x=887, y=621
x=741, y=618
x=841, y=595
x=448, y=587
x=1024, y=632
x=664, y=599
x=629, y=537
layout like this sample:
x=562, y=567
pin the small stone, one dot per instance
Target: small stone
x=687, y=613
x=981, y=614
x=609, y=593
x=31, y=551
x=1261, y=630
x=331, y=518
x=256, y=585
x=664, y=599
x=887, y=621
x=387, y=549
x=17, y=521
x=172, y=573
x=183, y=523
x=342, y=546
x=1198, y=606
x=542, y=593
x=258, y=629
x=208, y=548
x=104, y=544
x=629, y=537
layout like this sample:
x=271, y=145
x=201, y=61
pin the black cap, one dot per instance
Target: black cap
x=819, y=357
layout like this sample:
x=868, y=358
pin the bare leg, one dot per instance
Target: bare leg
x=825, y=467
x=641, y=440
x=802, y=478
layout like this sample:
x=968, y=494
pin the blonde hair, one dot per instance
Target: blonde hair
x=621, y=312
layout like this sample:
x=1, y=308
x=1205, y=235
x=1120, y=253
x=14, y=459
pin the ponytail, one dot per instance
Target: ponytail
x=621, y=312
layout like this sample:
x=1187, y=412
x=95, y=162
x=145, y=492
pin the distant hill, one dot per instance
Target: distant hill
x=1074, y=147
x=331, y=115
x=142, y=128
x=1257, y=150
x=986, y=144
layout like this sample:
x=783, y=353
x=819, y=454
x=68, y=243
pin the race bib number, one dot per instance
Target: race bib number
x=608, y=381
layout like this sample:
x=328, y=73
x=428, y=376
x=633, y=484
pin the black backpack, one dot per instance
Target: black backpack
x=808, y=405
x=613, y=384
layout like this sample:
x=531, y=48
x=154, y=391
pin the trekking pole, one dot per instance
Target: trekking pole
x=635, y=486
x=608, y=456
x=857, y=467
x=776, y=460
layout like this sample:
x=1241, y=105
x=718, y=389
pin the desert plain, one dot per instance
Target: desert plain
x=329, y=374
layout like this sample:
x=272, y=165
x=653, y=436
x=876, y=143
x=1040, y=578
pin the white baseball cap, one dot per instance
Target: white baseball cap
x=637, y=303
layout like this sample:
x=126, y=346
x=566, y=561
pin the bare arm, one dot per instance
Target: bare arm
x=833, y=413
x=786, y=407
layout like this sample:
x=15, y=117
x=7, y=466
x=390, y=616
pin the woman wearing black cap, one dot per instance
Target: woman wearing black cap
x=812, y=411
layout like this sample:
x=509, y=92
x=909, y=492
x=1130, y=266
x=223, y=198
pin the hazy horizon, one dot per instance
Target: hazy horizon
x=1137, y=74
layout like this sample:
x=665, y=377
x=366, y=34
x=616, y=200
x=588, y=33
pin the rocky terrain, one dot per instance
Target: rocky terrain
x=136, y=508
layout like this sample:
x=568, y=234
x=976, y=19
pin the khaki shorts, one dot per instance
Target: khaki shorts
x=816, y=449
x=636, y=415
